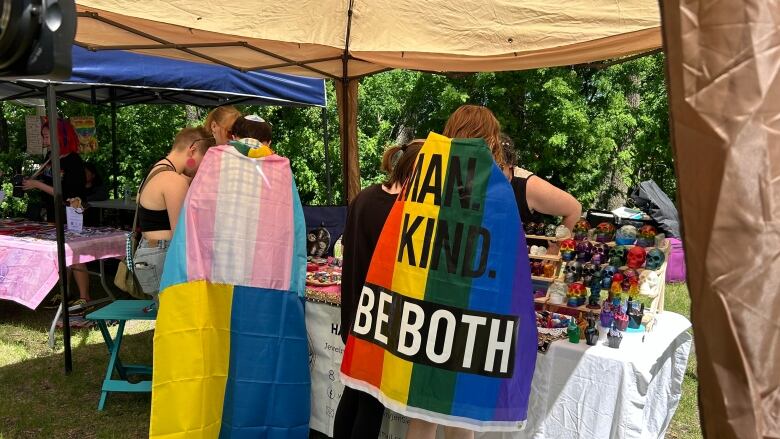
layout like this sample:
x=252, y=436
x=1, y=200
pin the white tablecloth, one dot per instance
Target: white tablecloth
x=582, y=391
x=578, y=391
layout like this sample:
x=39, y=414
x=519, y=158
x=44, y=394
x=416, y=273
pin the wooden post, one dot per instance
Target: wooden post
x=346, y=97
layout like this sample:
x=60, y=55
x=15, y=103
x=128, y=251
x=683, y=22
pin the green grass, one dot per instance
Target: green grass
x=40, y=401
x=37, y=400
x=685, y=424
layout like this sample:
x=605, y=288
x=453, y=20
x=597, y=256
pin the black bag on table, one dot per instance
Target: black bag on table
x=650, y=199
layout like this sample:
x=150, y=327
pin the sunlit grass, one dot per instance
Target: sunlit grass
x=685, y=424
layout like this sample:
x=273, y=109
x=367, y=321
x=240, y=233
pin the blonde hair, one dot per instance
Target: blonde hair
x=224, y=116
x=477, y=122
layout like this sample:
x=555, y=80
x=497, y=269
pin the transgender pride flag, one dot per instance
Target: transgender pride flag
x=230, y=345
x=445, y=328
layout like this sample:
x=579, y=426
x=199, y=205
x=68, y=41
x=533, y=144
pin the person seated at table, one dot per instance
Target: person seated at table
x=96, y=190
x=359, y=415
x=252, y=136
x=159, y=203
x=73, y=186
x=219, y=123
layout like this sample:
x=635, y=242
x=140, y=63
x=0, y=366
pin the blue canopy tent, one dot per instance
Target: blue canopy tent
x=125, y=78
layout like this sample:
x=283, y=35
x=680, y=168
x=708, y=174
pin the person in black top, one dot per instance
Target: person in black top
x=95, y=190
x=159, y=203
x=73, y=186
x=359, y=415
x=536, y=197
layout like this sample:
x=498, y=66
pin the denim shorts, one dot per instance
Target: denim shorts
x=148, y=264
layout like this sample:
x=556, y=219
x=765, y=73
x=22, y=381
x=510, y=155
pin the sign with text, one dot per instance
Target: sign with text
x=323, y=324
x=75, y=218
x=32, y=126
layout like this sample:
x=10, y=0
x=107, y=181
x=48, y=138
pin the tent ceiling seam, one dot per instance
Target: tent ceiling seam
x=164, y=44
x=96, y=16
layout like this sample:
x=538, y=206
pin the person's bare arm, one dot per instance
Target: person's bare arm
x=175, y=191
x=547, y=199
x=28, y=184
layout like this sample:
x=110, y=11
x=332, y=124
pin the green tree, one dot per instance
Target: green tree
x=592, y=131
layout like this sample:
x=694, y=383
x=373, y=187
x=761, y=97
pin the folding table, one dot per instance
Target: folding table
x=122, y=311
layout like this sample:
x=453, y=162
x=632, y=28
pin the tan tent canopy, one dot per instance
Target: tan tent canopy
x=309, y=37
x=348, y=39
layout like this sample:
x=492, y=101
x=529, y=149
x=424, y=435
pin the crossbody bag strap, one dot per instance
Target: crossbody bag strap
x=132, y=237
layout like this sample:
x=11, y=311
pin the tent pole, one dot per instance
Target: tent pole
x=114, y=157
x=347, y=102
x=59, y=213
x=327, y=154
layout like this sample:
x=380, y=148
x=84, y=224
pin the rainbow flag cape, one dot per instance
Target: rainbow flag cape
x=445, y=328
x=230, y=345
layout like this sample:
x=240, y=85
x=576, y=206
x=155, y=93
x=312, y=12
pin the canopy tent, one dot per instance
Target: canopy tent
x=127, y=78
x=723, y=141
x=348, y=39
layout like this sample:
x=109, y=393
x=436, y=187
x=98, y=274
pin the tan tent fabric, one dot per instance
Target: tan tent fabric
x=725, y=107
x=435, y=35
x=340, y=39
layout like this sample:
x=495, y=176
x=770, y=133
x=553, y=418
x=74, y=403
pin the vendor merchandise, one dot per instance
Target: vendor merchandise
x=594, y=263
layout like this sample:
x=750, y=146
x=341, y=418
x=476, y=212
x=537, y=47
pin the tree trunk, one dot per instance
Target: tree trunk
x=405, y=135
x=616, y=193
x=193, y=115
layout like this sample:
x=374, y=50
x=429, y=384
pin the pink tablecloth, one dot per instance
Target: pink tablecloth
x=28, y=257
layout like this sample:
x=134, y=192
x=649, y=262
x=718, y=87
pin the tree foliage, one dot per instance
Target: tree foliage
x=594, y=132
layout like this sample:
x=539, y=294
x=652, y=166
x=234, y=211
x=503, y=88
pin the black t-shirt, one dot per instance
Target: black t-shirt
x=73, y=182
x=365, y=218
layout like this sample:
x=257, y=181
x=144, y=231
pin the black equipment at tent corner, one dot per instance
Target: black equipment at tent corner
x=36, y=37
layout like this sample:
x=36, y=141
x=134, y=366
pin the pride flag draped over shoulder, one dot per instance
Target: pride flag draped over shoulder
x=230, y=345
x=445, y=328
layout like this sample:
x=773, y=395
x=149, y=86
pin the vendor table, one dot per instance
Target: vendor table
x=122, y=311
x=120, y=204
x=115, y=205
x=28, y=259
x=578, y=390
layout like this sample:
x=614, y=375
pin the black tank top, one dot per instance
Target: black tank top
x=519, y=182
x=153, y=220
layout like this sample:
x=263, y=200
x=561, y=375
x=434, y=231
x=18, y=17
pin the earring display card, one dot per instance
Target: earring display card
x=75, y=218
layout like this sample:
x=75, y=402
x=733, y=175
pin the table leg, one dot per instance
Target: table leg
x=120, y=369
x=106, y=288
x=117, y=343
x=54, y=326
x=103, y=281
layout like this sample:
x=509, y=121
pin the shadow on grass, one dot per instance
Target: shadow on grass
x=39, y=400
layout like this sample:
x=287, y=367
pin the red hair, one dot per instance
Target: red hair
x=474, y=122
x=68, y=139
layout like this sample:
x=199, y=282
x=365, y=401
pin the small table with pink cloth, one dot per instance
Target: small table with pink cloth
x=28, y=258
